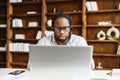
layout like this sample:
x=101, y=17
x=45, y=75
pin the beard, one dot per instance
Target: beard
x=57, y=38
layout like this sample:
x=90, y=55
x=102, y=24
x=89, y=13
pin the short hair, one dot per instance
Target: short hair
x=61, y=15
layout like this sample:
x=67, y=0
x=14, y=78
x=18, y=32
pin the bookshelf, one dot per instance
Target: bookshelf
x=33, y=16
x=104, y=50
x=75, y=12
x=24, y=23
x=3, y=32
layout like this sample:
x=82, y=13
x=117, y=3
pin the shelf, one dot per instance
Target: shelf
x=106, y=55
x=103, y=69
x=104, y=11
x=26, y=15
x=26, y=3
x=77, y=26
x=24, y=40
x=103, y=41
x=19, y=64
x=18, y=52
x=68, y=12
x=101, y=26
x=56, y=1
x=73, y=12
x=27, y=27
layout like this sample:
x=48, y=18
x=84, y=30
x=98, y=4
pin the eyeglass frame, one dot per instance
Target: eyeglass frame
x=64, y=28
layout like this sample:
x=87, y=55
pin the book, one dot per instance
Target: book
x=17, y=23
x=15, y=1
x=24, y=47
x=19, y=36
x=33, y=24
x=39, y=34
x=91, y=5
x=88, y=6
x=95, y=7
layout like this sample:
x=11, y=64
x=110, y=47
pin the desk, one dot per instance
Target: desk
x=26, y=76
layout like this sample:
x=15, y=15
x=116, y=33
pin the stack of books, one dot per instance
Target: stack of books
x=92, y=6
x=15, y=1
x=3, y=25
x=19, y=47
x=17, y=22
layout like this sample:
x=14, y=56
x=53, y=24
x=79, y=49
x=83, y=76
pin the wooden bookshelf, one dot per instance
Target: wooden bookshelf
x=3, y=31
x=104, y=50
x=85, y=23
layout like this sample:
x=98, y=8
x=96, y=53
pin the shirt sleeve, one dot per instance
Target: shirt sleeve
x=82, y=42
x=45, y=41
x=40, y=42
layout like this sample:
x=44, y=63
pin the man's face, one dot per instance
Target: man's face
x=62, y=29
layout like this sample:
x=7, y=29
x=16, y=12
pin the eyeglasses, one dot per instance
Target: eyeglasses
x=58, y=29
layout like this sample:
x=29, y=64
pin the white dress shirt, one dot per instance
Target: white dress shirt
x=74, y=41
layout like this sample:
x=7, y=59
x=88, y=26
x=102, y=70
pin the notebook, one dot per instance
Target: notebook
x=60, y=62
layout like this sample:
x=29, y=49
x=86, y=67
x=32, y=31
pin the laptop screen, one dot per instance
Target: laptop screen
x=60, y=62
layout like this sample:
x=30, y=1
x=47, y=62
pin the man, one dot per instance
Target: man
x=62, y=28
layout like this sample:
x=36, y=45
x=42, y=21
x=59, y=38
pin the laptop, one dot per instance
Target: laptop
x=60, y=62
